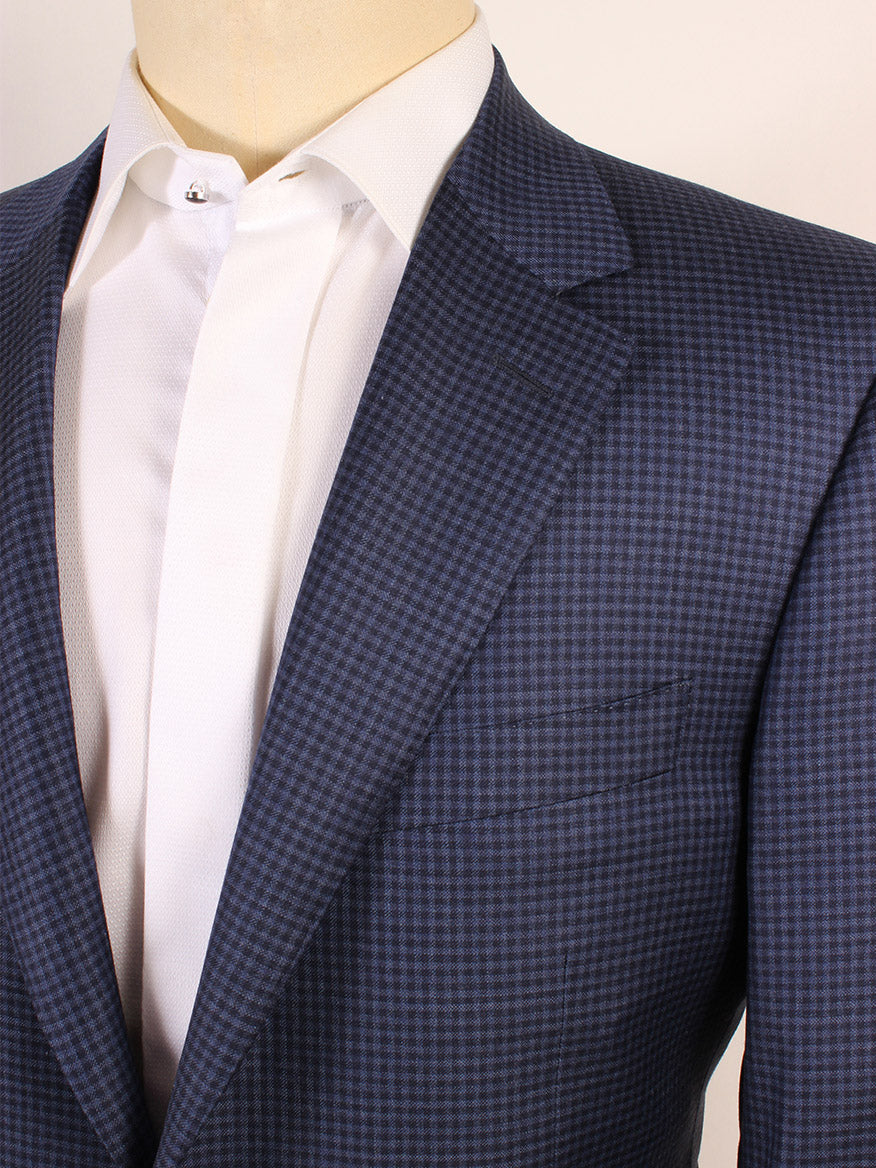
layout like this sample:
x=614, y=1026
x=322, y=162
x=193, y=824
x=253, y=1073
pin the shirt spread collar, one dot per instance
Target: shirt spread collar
x=396, y=145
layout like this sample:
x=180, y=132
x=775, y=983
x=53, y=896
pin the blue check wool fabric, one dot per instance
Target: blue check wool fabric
x=572, y=747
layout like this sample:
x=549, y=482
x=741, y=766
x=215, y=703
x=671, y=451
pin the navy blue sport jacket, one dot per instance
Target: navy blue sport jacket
x=572, y=747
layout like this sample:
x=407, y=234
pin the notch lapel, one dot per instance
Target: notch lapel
x=482, y=395
x=51, y=894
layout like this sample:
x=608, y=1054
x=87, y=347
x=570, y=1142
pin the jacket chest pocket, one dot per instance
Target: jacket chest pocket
x=473, y=772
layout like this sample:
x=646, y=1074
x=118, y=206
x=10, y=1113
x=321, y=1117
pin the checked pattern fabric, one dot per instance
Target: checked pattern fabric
x=571, y=751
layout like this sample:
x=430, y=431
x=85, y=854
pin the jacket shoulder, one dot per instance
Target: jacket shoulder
x=692, y=228
x=25, y=210
x=718, y=276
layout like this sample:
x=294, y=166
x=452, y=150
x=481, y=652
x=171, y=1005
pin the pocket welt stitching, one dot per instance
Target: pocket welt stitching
x=679, y=683
x=487, y=770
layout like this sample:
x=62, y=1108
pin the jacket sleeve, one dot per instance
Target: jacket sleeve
x=808, y=1094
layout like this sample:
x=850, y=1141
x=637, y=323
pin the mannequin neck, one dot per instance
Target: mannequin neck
x=257, y=80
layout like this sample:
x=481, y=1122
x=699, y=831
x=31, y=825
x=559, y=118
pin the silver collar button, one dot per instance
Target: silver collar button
x=197, y=193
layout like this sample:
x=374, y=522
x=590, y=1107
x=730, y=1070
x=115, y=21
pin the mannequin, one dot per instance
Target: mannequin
x=256, y=78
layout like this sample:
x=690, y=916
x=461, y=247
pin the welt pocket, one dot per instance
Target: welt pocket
x=472, y=772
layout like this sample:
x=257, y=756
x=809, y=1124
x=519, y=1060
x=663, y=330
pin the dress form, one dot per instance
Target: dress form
x=256, y=78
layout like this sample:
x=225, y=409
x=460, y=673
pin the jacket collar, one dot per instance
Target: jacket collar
x=536, y=192
x=481, y=399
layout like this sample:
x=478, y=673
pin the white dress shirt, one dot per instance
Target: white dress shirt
x=215, y=339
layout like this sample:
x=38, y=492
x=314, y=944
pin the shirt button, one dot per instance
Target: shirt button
x=197, y=193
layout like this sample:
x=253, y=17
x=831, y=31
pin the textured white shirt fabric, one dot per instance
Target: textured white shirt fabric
x=211, y=356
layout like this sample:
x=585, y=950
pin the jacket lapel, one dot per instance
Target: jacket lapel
x=482, y=396
x=51, y=894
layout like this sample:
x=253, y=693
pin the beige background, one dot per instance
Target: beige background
x=770, y=100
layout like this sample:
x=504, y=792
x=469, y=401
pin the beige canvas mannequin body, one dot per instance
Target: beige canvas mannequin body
x=256, y=78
